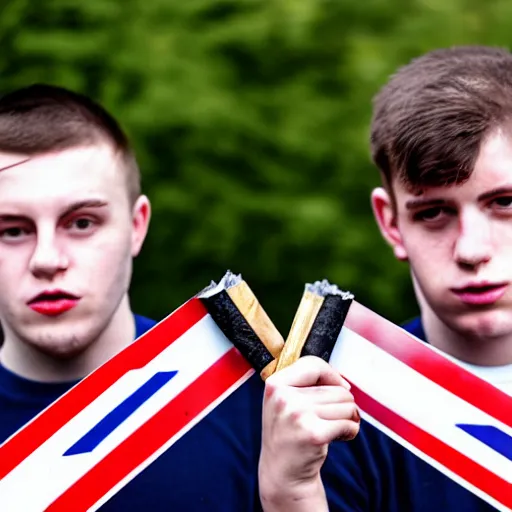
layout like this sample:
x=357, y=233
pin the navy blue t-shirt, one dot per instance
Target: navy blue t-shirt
x=374, y=473
x=213, y=467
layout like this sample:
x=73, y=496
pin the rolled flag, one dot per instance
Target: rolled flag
x=317, y=323
x=237, y=312
x=415, y=394
x=88, y=444
x=429, y=403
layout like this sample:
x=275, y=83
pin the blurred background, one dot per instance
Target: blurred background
x=250, y=119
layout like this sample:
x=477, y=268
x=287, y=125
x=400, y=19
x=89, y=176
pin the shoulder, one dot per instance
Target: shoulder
x=415, y=327
x=143, y=324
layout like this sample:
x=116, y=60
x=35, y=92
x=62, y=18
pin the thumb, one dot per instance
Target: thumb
x=308, y=371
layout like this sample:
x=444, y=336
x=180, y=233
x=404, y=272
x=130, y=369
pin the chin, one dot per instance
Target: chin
x=484, y=324
x=60, y=345
x=63, y=351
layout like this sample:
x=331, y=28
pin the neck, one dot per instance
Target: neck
x=29, y=362
x=467, y=347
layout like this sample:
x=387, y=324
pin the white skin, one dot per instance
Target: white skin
x=306, y=406
x=66, y=222
x=450, y=236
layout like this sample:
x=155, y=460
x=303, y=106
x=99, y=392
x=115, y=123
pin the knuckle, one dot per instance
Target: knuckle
x=353, y=430
x=315, y=438
x=310, y=431
x=270, y=388
x=346, y=396
x=296, y=418
x=315, y=361
x=280, y=400
x=349, y=431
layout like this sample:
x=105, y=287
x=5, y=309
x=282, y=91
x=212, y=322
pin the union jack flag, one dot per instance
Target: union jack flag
x=88, y=444
x=94, y=439
x=431, y=405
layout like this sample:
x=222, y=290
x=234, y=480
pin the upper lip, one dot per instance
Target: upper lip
x=478, y=286
x=53, y=295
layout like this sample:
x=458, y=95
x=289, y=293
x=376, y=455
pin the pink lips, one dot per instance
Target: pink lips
x=481, y=294
x=53, y=302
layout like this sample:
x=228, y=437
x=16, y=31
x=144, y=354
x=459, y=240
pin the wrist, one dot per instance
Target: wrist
x=300, y=496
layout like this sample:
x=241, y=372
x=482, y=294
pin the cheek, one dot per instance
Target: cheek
x=430, y=260
x=14, y=263
x=502, y=238
x=106, y=263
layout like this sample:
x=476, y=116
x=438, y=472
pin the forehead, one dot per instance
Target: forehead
x=60, y=177
x=492, y=170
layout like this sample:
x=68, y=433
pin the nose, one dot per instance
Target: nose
x=47, y=259
x=473, y=246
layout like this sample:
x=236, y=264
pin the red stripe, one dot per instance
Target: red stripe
x=463, y=466
x=137, y=355
x=157, y=431
x=420, y=357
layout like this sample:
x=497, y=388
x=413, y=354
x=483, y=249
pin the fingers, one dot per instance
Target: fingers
x=313, y=431
x=306, y=406
x=308, y=371
x=337, y=411
x=307, y=411
x=326, y=394
x=343, y=430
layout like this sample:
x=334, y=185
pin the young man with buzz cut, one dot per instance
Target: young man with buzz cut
x=72, y=218
x=442, y=139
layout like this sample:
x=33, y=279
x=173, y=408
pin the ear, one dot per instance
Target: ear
x=141, y=214
x=385, y=215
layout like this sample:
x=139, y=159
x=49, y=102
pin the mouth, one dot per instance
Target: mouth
x=53, y=303
x=481, y=294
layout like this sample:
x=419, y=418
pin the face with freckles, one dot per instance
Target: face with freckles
x=458, y=242
x=68, y=233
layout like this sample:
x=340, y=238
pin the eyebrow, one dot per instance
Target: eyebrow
x=495, y=192
x=418, y=203
x=414, y=204
x=87, y=203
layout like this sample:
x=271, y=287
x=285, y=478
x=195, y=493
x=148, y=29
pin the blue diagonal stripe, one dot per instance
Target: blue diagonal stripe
x=114, y=418
x=491, y=436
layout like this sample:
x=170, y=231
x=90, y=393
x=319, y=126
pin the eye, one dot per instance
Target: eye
x=13, y=233
x=83, y=223
x=80, y=225
x=430, y=214
x=503, y=202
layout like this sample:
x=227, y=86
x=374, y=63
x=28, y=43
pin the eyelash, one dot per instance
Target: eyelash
x=506, y=198
x=421, y=216
x=77, y=219
x=24, y=230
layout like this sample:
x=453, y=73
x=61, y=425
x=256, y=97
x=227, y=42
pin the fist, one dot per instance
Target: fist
x=306, y=406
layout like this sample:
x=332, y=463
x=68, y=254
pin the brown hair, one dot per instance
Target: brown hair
x=42, y=118
x=430, y=119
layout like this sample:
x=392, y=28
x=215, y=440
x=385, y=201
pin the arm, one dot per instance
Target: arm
x=306, y=406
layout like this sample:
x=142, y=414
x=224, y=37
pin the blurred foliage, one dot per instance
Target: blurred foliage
x=250, y=119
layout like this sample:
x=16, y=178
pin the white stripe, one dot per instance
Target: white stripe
x=417, y=399
x=49, y=473
x=429, y=460
x=171, y=441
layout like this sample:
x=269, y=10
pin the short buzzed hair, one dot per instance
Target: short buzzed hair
x=41, y=118
x=432, y=116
